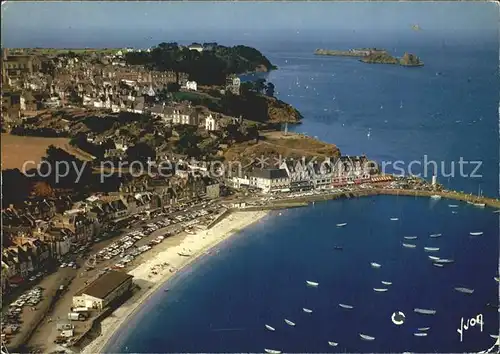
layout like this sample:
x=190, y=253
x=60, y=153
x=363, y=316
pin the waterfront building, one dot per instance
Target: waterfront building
x=270, y=180
x=102, y=291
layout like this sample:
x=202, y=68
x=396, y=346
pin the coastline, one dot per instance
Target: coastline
x=197, y=244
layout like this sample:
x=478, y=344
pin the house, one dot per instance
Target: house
x=270, y=180
x=233, y=84
x=191, y=85
x=211, y=124
x=182, y=115
x=196, y=46
x=102, y=291
x=158, y=110
x=298, y=173
x=321, y=174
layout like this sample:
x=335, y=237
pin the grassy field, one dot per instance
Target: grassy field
x=18, y=149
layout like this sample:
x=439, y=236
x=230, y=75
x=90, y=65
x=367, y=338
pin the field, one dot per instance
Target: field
x=18, y=149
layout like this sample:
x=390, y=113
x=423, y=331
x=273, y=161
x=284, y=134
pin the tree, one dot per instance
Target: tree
x=173, y=87
x=140, y=152
x=270, y=89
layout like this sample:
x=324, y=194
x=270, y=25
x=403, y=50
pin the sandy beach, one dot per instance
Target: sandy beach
x=194, y=245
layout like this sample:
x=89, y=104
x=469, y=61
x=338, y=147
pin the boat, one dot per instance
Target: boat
x=306, y=310
x=431, y=249
x=454, y=212
x=375, y=265
x=394, y=219
x=477, y=233
x=435, y=196
x=497, y=279
x=270, y=328
x=342, y=224
x=344, y=306
x=465, y=290
x=312, y=283
x=479, y=195
x=332, y=344
x=439, y=265
x=338, y=248
x=479, y=205
x=423, y=329
x=410, y=237
x=434, y=258
x=272, y=351
x=420, y=334
x=409, y=245
x=434, y=235
x=496, y=211
x=386, y=282
x=366, y=337
x=424, y=311
x=380, y=290
x=452, y=206
x=290, y=323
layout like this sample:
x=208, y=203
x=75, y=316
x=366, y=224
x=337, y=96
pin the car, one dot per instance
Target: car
x=63, y=265
x=32, y=278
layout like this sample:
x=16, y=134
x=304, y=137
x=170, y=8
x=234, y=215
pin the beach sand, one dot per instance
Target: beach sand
x=195, y=245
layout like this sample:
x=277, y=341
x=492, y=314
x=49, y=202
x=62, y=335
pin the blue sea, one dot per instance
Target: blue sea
x=446, y=110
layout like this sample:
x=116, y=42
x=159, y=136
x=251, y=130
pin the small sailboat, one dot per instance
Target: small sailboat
x=410, y=237
x=270, y=328
x=386, y=282
x=409, y=245
x=465, y=290
x=375, y=265
x=394, y=219
x=477, y=233
x=342, y=224
x=344, y=306
x=497, y=279
x=434, y=235
x=454, y=212
x=444, y=260
x=431, y=249
x=401, y=104
x=366, y=337
x=452, y=205
x=272, y=351
x=380, y=290
x=420, y=334
x=369, y=133
x=312, y=283
x=423, y=329
x=435, y=196
x=332, y=344
x=425, y=311
x=439, y=265
x=290, y=323
x=307, y=310
x=434, y=258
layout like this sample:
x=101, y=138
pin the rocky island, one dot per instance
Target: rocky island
x=373, y=56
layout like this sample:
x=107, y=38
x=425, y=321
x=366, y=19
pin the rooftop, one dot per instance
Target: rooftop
x=104, y=285
x=269, y=173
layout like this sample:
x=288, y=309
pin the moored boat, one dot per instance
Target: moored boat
x=423, y=329
x=290, y=323
x=497, y=279
x=394, y=219
x=431, y=249
x=380, y=290
x=420, y=334
x=312, y=283
x=366, y=337
x=332, y=344
x=439, y=265
x=344, y=306
x=444, y=260
x=270, y=328
x=452, y=205
x=272, y=351
x=386, y=282
x=307, y=310
x=409, y=245
x=425, y=311
x=434, y=258
x=434, y=235
x=435, y=196
x=410, y=237
x=342, y=224
x=464, y=290
x=375, y=265
x=476, y=233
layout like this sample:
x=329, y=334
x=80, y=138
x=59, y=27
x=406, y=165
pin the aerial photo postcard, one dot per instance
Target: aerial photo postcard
x=250, y=177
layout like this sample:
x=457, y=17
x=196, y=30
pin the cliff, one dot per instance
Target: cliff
x=384, y=58
x=281, y=112
x=410, y=60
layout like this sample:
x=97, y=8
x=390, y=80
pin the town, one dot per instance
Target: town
x=68, y=246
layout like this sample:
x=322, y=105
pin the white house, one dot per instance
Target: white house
x=211, y=123
x=191, y=85
x=270, y=180
x=196, y=47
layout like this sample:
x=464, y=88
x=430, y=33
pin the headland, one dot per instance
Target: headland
x=373, y=56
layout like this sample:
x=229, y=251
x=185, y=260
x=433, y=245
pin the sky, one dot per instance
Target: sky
x=44, y=24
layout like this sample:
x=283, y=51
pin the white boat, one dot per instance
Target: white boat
x=420, y=334
x=272, y=351
x=290, y=323
x=452, y=205
x=497, y=279
x=394, y=219
x=306, y=310
x=332, y=344
x=454, y=212
x=410, y=237
x=409, y=245
x=477, y=233
x=375, y=265
x=425, y=311
x=465, y=290
x=431, y=249
x=434, y=258
x=435, y=235
x=439, y=265
x=312, y=283
x=344, y=306
x=423, y=329
x=479, y=205
x=435, y=196
x=380, y=290
x=342, y=224
x=386, y=282
x=444, y=260
x=366, y=337
x=270, y=328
